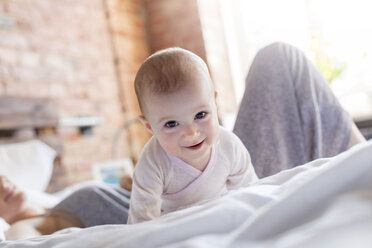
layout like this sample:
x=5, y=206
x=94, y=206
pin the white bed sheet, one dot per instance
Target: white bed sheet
x=325, y=203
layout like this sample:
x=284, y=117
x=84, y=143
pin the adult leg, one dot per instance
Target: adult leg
x=87, y=206
x=289, y=115
x=96, y=205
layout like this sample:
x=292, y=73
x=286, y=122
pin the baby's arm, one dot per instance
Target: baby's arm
x=241, y=169
x=145, y=202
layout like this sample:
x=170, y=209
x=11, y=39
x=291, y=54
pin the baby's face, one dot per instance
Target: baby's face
x=185, y=123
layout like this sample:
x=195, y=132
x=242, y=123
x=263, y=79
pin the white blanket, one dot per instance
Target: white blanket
x=325, y=203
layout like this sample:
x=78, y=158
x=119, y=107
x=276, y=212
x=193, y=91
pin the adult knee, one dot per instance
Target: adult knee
x=276, y=51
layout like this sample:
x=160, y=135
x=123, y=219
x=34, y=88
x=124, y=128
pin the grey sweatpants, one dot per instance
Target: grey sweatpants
x=96, y=204
x=288, y=115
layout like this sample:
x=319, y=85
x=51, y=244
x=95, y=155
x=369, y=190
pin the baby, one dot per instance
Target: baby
x=190, y=158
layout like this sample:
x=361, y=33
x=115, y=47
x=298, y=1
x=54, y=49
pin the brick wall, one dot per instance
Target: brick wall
x=174, y=23
x=129, y=41
x=62, y=50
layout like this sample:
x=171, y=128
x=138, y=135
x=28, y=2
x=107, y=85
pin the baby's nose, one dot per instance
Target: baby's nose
x=191, y=131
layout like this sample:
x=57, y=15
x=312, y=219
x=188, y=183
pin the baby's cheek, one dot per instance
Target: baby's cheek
x=213, y=131
x=168, y=144
x=168, y=148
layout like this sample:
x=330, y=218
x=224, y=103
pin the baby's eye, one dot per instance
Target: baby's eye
x=200, y=115
x=171, y=124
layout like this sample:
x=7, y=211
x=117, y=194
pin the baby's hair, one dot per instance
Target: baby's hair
x=167, y=71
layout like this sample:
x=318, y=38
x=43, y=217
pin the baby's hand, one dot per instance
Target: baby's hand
x=126, y=182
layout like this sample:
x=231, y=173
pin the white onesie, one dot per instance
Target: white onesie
x=163, y=183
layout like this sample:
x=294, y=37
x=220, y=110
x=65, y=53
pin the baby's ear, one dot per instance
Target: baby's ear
x=145, y=123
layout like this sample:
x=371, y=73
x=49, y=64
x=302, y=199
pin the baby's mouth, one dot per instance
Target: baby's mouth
x=196, y=146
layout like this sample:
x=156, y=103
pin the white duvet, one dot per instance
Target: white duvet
x=325, y=203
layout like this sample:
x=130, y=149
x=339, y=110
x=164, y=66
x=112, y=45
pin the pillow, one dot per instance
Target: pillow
x=27, y=164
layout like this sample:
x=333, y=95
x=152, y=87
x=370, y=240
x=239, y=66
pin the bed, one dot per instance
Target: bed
x=324, y=203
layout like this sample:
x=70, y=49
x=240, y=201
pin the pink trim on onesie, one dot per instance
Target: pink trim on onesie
x=184, y=166
x=192, y=171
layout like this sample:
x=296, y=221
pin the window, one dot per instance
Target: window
x=335, y=34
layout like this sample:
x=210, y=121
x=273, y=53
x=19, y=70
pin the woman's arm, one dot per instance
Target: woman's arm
x=41, y=225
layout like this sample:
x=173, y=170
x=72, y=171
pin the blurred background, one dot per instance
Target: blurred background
x=67, y=67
